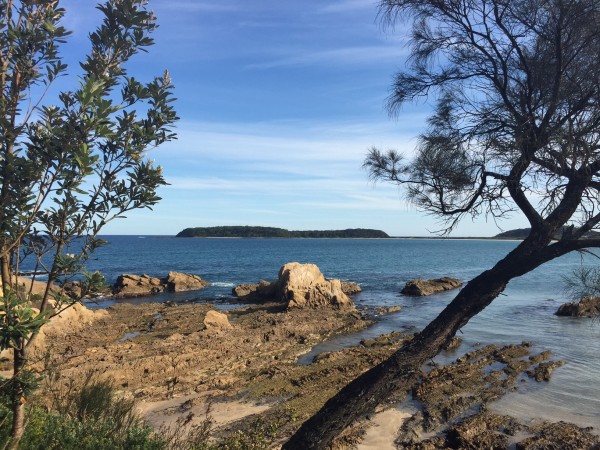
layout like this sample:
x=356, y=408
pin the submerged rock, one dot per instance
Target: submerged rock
x=560, y=435
x=455, y=398
x=452, y=344
x=421, y=288
x=586, y=307
x=486, y=430
x=543, y=371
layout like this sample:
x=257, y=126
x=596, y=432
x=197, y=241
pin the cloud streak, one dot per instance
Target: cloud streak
x=192, y=6
x=287, y=151
x=348, y=5
x=352, y=56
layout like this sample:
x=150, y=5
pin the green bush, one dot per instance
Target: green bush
x=92, y=417
x=49, y=430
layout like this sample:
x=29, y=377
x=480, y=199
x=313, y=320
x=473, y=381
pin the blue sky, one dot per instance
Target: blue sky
x=279, y=103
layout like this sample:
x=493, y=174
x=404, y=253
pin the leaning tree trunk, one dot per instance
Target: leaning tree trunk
x=399, y=372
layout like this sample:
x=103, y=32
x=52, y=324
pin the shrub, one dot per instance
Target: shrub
x=93, y=417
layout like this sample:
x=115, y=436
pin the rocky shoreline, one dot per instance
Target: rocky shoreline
x=174, y=363
x=238, y=369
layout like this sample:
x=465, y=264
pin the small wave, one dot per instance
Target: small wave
x=38, y=277
x=222, y=284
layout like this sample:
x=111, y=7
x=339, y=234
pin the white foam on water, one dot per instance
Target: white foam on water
x=223, y=284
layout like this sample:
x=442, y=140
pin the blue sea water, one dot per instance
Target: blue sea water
x=524, y=312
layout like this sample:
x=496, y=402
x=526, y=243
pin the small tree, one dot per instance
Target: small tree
x=516, y=128
x=68, y=168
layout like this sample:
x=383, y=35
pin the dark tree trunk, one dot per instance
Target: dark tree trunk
x=4, y=273
x=17, y=403
x=401, y=370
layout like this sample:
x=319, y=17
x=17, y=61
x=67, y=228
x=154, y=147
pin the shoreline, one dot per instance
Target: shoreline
x=252, y=367
x=424, y=238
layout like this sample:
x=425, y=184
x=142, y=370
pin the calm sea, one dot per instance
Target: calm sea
x=524, y=312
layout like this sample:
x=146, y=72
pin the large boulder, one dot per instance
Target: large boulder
x=587, y=307
x=129, y=285
x=180, y=282
x=303, y=285
x=420, y=288
x=216, y=320
x=299, y=286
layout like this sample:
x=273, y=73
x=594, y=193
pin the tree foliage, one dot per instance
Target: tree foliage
x=517, y=109
x=70, y=161
x=515, y=128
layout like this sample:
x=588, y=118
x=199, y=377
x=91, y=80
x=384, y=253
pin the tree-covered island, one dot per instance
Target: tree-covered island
x=271, y=232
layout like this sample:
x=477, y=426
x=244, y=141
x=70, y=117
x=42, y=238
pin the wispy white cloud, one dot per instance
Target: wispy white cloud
x=348, y=56
x=243, y=185
x=376, y=202
x=348, y=5
x=290, y=150
x=202, y=6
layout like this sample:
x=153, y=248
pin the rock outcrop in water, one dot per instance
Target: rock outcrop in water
x=129, y=286
x=419, y=288
x=256, y=292
x=586, y=307
x=350, y=287
x=303, y=285
x=181, y=282
x=299, y=286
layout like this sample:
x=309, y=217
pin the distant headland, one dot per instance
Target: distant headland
x=522, y=233
x=270, y=232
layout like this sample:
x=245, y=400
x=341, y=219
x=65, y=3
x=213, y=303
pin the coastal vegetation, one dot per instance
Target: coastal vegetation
x=516, y=126
x=270, y=232
x=70, y=163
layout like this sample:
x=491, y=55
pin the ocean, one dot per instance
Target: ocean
x=525, y=311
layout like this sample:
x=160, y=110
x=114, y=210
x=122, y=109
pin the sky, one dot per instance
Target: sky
x=279, y=103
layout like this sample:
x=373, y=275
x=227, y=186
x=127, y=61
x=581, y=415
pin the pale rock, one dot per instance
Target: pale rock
x=303, y=285
x=216, y=320
x=129, y=285
x=299, y=286
x=180, y=282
